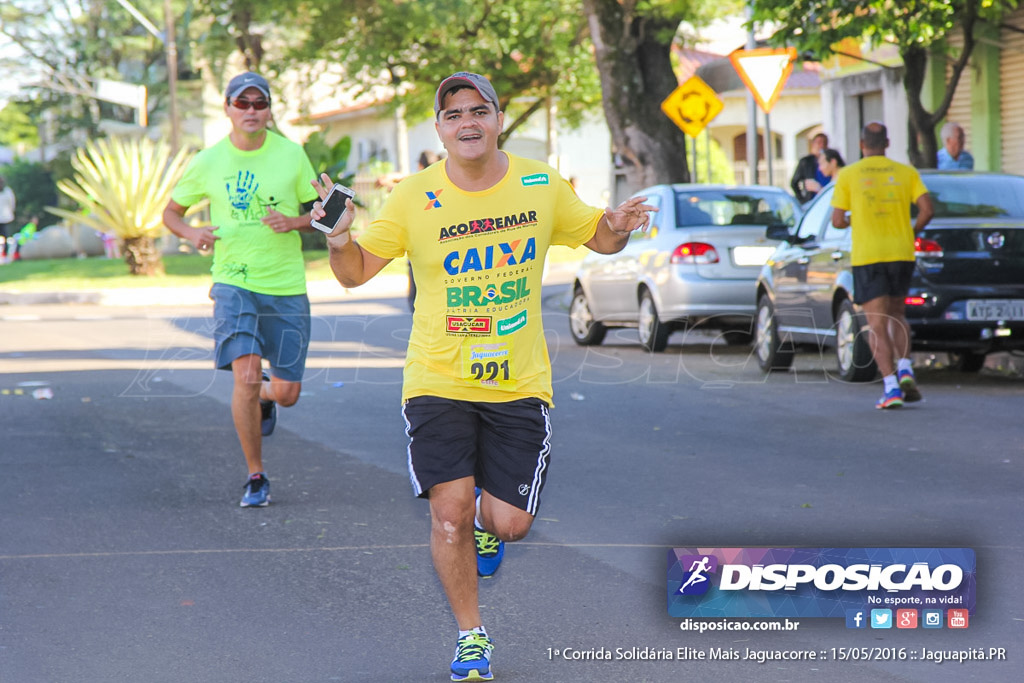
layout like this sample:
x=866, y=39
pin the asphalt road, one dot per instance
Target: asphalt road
x=124, y=555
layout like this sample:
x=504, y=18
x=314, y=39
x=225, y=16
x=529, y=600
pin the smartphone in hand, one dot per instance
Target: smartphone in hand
x=334, y=207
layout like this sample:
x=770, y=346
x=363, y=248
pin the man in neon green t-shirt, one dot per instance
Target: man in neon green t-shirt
x=477, y=388
x=878, y=193
x=258, y=184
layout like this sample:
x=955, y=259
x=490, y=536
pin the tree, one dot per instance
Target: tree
x=917, y=29
x=16, y=126
x=122, y=187
x=532, y=50
x=67, y=46
x=632, y=42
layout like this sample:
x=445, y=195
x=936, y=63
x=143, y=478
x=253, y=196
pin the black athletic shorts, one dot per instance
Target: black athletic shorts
x=504, y=446
x=890, y=278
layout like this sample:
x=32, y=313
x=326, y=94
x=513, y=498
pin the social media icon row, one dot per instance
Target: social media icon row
x=906, y=618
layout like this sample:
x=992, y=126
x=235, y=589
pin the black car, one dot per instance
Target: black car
x=966, y=297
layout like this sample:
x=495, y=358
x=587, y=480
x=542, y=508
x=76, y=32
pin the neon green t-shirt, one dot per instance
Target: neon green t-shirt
x=878, y=192
x=478, y=258
x=242, y=187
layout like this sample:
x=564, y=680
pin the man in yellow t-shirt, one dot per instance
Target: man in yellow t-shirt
x=477, y=389
x=878, y=192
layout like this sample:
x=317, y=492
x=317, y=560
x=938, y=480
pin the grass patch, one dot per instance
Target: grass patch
x=183, y=270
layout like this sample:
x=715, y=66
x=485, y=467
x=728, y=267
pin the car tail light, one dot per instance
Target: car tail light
x=696, y=253
x=915, y=301
x=927, y=248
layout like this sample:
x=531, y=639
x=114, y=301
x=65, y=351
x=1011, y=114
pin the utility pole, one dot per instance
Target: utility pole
x=171, y=45
x=751, y=106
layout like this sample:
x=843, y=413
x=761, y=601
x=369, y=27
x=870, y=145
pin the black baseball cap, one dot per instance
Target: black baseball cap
x=466, y=78
x=241, y=82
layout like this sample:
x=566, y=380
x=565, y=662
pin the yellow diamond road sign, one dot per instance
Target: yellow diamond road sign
x=692, y=106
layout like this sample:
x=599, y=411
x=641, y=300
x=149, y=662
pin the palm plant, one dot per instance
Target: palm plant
x=122, y=186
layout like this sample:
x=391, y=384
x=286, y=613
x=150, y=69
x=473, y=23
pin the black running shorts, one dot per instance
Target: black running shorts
x=504, y=446
x=890, y=278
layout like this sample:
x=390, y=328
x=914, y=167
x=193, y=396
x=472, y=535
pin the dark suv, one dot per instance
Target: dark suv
x=966, y=298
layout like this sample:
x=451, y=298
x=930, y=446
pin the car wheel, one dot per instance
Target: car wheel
x=772, y=354
x=652, y=331
x=584, y=329
x=853, y=349
x=967, y=361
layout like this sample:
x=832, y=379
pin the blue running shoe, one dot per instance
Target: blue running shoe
x=268, y=413
x=890, y=399
x=908, y=385
x=489, y=550
x=473, y=658
x=257, y=492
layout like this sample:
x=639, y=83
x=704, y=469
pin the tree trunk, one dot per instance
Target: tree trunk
x=636, y=75
x=142, y=256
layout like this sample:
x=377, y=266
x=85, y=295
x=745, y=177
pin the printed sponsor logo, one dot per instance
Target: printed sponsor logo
x=472, y=295
x=434, y=202
x=510, y=325
x=490, y=257
x=476, y=324
x=535, y=179
x=488, y=224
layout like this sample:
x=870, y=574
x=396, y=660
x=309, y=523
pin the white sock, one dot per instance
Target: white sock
x=479, y=629
x=476, y=519
x=890, y=383
x=904, y=364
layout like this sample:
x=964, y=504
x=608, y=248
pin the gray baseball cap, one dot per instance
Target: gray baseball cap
x=464, y=78
x=249, y=79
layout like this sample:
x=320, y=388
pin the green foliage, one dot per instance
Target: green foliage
x=16, y=128
x=530, y=49
x=326, y=158
x=122, y=186
x=817, y=25
x=721, y=170
x=33, y=189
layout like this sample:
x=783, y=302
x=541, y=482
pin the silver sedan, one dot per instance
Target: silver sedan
x=694, y=267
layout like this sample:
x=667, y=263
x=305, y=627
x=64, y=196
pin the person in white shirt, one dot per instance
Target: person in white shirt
x=7, y=209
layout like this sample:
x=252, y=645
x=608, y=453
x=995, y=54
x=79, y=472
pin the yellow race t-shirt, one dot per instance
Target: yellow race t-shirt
x=878, y=192
x=478, y=258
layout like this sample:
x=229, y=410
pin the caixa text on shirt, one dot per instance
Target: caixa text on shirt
x=499, y=255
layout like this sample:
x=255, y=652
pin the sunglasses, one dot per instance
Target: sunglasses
x=258, y=105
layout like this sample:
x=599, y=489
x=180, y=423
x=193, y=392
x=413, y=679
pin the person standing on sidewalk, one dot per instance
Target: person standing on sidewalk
x=878, y=193
x=258, y=184
x=477, y=382
x=8, y=204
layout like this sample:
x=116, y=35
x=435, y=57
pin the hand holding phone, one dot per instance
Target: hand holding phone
x=334, y=208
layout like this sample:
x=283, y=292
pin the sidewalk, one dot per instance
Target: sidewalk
x=381, y=286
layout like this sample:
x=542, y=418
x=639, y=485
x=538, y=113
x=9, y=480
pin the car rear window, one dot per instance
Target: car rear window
x=980, y=196
x=733, y=208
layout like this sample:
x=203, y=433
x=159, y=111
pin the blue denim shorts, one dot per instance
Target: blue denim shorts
x=276, y=328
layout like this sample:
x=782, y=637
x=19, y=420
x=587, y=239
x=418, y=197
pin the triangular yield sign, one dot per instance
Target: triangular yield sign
x=764, y=71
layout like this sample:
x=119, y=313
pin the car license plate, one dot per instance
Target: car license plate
x=995, y=309
x=751, y=256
